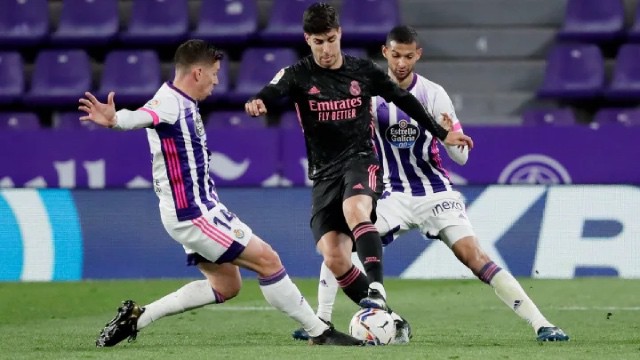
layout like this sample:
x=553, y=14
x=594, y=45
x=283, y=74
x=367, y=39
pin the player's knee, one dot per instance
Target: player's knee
x=230, y=290
x=338, y=263
x=269, y=260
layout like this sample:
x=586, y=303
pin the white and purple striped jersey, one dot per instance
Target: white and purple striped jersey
x=180, y=158
x=409, y=154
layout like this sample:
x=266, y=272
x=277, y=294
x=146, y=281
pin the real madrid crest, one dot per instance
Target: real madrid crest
x=238, y=233
x=354, y=89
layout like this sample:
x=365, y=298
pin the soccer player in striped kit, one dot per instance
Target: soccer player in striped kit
x=418, y=193
x=215, y=239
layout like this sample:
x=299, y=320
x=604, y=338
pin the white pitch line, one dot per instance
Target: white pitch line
x=603, y=308
x=239, y=308
x=586, y=308
x=560, y=308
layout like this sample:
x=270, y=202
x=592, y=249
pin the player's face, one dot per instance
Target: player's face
x=326, y=48
x=401, y=58
x=207, y=79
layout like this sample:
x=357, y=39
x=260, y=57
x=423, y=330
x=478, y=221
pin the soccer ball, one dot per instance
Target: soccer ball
x=373, y=325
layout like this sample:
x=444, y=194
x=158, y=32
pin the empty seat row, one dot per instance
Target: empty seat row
x=96, y=22
x=61, y=76
x=566, y=117
x=598, y=21
x=577, y=72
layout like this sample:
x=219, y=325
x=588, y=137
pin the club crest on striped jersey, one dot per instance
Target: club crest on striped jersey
x=198, y=124
x=239, y=234
x=403, y=134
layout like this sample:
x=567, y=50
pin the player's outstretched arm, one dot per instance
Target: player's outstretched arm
x=279, y=87
x=100, y=113
x=106, y=115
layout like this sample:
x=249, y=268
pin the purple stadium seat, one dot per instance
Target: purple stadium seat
x=285, y=22
x=19, y=121
x=357, y=52
x=370, y=24
x=134, y=75
x=225, y=22
x=87, y=22
x=233, y=119
x=23, y=22
x=59, y=77
x=71, y=121
x=625, y=84
x=543, y=117
x=11, y=77
x=593, y=20
x=633, y=34
x=618, y=116
x=257, y=67
x=574, y=72
x=157, y=21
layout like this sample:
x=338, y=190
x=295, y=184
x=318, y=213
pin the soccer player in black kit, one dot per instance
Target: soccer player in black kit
x=332, y=93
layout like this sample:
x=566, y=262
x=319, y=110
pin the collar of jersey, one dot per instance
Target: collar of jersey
x=172, y=87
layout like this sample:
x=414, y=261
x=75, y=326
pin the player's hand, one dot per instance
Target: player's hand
x=458, y=138
x=100, y=113
x=255, y=107
x=446, y=122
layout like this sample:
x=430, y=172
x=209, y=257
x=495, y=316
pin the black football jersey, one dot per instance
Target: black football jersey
x=334, y=107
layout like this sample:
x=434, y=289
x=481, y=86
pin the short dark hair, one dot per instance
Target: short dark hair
x=320, y=18
x=403, y=34
x=193, y=52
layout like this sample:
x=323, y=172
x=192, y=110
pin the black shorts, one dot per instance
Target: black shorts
x=362, y=177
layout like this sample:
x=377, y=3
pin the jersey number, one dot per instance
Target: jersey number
x=228, y=215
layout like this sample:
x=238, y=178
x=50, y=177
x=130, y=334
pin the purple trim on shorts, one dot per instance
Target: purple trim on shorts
x=272, y=279
x=390, y=236
x=195, y=259
x=231, y=254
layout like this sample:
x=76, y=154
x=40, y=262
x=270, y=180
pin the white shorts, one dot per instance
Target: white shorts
x=218, y=236
x=400, y=212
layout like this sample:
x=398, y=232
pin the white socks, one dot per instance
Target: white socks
x=278, y=290
x=507, y=288
x=327, y=291
x=511, y=293
x=284, y=295
x=193, y=295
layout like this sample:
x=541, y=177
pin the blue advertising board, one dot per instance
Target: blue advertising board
x=533, y=231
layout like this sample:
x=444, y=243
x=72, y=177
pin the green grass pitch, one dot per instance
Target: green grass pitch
x=451, y=319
